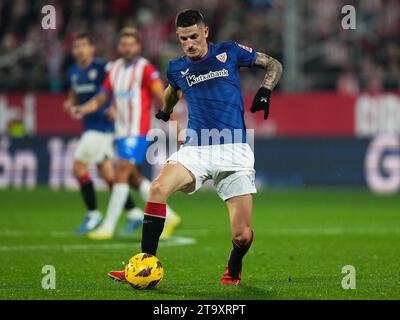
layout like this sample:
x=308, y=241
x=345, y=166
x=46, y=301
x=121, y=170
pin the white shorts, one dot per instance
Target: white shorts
x=230, y=166
x=94, y=147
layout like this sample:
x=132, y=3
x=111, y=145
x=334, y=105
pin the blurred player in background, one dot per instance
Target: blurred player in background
x=208, y=76
x=85, y=78
x=132, y=83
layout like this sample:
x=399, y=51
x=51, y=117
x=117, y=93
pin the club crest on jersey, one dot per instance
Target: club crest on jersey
x=222, y=57
x=92, y=74
x=245, y=48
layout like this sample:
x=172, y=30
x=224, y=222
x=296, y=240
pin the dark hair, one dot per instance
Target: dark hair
x=129, y=32
x=84, y=35
x=189, y=17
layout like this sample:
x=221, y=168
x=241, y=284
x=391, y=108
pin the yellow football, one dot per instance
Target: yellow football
x=144, y=271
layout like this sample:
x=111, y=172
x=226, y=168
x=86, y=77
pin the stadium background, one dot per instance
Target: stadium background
x=339, y=89
x=334, y=122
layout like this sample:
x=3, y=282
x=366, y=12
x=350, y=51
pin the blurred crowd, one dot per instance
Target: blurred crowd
x=366, y=59
x=331, y=58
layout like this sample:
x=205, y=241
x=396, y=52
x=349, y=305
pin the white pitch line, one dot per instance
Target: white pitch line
x=173, y=241
x=7, y=233
x=34, y=233
x=330, y=231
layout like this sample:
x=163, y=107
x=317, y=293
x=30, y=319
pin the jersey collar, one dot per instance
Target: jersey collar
x=87, y=67
x=134, y=61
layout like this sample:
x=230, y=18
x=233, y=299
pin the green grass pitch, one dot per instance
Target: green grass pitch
x=302, y=241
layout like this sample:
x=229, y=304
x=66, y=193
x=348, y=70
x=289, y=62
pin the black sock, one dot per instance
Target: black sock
x=151, y=232
x=236, y=257
x=129, y=204
x=89, y=195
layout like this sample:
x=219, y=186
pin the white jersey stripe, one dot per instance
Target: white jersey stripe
x=115, y=69
x=124, y=85
x=114, y=74
x=120, y=103
x=137, y=98
x=130, y=102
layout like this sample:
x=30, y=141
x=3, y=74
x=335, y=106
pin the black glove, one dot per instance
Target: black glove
x=162, y=115
x=261, y=101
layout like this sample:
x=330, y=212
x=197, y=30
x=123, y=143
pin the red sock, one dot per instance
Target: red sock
x=87, y=191
x=248, y=244
x=83, y=179
x=110, y=183
x=156, y=209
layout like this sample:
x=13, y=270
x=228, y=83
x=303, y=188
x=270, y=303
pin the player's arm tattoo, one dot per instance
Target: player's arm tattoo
x=273, y=68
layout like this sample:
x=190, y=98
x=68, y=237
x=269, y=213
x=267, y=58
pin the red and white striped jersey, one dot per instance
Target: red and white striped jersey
x=129, y=85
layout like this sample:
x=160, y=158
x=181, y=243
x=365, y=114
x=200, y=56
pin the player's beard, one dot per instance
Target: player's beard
x=129, y=58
